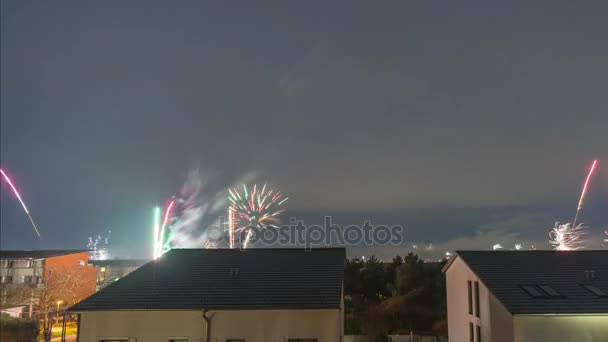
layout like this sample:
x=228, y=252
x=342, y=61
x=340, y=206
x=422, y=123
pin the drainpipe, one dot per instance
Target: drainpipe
x=207, y=324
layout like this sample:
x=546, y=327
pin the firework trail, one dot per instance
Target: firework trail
x=162, y=234
x=156, y=227
x=98, y=247
x=584, y=192
x=257, y=208
x=567, y=237
x=27, y=212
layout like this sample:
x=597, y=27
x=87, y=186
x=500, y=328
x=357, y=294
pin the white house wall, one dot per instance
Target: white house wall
x=495, y=321
x=251, y=325
x=547, y=328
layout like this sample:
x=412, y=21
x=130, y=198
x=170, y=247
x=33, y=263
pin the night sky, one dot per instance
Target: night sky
x=469, y=123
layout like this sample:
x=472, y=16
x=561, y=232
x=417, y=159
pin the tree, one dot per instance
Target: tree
x=409, y=276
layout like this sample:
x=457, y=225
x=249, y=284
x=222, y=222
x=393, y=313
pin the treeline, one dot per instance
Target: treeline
x=394, y=298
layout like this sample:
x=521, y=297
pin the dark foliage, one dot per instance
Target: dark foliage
x=18, y=330
x=394, y=298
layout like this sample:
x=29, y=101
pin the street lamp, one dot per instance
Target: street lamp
x=59, y=302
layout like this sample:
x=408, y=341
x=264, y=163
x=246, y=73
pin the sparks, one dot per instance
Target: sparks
x=257, y=208
x=98, y=247
x=567, y=237
x=27, y=212
x=584, y=192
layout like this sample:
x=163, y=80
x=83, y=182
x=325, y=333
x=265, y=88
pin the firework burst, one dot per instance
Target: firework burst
x=256, y=209
x=98, y=247
x=566, y=237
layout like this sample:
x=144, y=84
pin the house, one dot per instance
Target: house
x=28, y=277
x=110, y=270
x=256, y=295
x=527, y=296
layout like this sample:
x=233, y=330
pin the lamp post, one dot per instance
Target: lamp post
x=59, y=302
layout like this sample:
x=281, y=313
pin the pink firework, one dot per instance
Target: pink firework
x=27, y=212
x=584, y=192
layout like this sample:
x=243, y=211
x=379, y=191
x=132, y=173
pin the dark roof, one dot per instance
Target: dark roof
x=39, y=254
x=118, y=262
x=505, y=273
x=194, y=279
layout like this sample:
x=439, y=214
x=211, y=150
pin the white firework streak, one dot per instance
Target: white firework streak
x=497, y=246
x=566, y=237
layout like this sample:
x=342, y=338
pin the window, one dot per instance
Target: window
x=3, y=263
x=533, y=291
x=29, y=263
x=80, y=263
x=477, y=298
x=2, y=279
x=471, y=332
x=51, y=269
x=9, y=279
x=178, y=339
x=596, y=291
x=550, y=291
x=11, y=263
x=28, y=279
x=478, y=333
x=470, y=297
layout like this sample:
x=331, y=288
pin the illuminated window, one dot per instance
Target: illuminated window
x=103, y=269
x=596, y=291
x=470, y=296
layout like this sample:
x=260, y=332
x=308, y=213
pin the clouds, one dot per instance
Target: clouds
x=344, y=108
